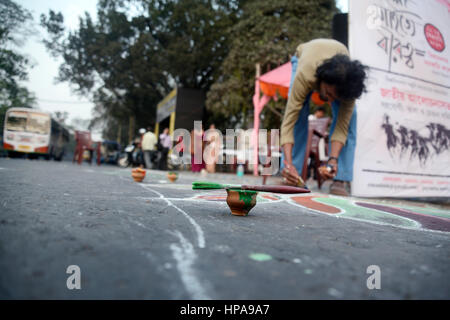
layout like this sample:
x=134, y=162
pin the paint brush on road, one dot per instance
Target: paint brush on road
x=264, y=188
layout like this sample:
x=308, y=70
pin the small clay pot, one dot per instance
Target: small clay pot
x=172, y=176
x=241, y=201
x=138, y=174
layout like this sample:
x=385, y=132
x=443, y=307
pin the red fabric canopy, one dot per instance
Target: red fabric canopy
x=277, y=80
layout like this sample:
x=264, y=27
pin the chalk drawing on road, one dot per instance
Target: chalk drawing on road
x=165, y=185
x=405, y=216
x=311, y=203
x=185, y=256
x=113, y=173
x=222, y=196
x=218, y=196
x=427, y=221
x=184, y=253
x=425, y=210
x=399, y=215
x=198, y=229
x=89, y=170
x=260, y=257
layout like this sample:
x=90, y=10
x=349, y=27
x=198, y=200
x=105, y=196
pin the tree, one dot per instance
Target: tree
x=127, y=64
x=193, y=37
x=61, y=116
x=268, y=33
x=13, y=65
x=111, y=60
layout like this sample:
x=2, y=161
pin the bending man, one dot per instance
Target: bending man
x=323, y=65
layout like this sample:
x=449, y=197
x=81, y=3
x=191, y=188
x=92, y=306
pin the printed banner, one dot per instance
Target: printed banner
x=403, y=142
x=166, y=106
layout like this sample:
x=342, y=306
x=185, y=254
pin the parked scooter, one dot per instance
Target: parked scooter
x=131, y=156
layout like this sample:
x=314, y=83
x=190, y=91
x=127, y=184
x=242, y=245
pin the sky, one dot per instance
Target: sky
x=52, y=96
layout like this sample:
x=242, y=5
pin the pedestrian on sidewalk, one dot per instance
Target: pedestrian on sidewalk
x=197, y=161
x=165, y=142
x=213, y=146
x=149, y=147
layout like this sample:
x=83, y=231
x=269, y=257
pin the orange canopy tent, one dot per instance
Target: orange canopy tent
x=276, y=80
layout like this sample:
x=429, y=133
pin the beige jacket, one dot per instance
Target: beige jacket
x=311, y=55
x=149, y=141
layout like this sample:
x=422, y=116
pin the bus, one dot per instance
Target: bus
x=35, y=133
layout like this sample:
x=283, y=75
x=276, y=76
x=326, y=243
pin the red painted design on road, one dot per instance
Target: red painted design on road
x=268, y=197
x=213, y=198
x=427, y=222
x=309, y=203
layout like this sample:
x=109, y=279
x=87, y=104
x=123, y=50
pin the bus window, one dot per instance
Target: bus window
x=38, y=123
x=16, y=121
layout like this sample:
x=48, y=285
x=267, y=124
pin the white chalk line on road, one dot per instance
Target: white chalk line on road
x=200, y=234
x=198, y=229
x=185, y=256
x=165, y=185
x=183, y=199
x=184, y=253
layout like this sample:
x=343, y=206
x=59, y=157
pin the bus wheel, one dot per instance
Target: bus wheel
x=13, y=154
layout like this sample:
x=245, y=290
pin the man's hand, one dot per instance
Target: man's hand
x=330, y=170
x=291, y=176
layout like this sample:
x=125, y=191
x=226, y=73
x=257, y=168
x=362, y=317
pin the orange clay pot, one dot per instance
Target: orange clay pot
x=172, y=176
x=138, y=174
x=241, y=201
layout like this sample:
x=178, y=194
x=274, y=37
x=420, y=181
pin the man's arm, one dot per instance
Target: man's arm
x=299, y=92
x=287, y=148
x=336, y=147
x=289, y=172
x=343, y=121
x=339, y=137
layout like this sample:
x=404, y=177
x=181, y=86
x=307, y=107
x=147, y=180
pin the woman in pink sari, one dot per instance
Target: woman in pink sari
x=197, y=150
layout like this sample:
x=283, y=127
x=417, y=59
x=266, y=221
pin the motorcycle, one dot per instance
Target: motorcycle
x=130, y=157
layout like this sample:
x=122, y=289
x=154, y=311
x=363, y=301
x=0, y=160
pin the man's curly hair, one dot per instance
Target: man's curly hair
x=348, y=76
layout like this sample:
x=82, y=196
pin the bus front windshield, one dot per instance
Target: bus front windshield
x=38, y=123
x=28, y=122
x=16, y=121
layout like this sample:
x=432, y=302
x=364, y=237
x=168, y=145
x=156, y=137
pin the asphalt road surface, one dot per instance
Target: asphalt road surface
x=162, y=240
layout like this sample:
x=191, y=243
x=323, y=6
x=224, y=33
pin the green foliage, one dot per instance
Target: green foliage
x=268, y=33
x=113, y=60
x=13, y=21
x=136, y=51
x=13, y=65
x=127, y=64
x=193, y=36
